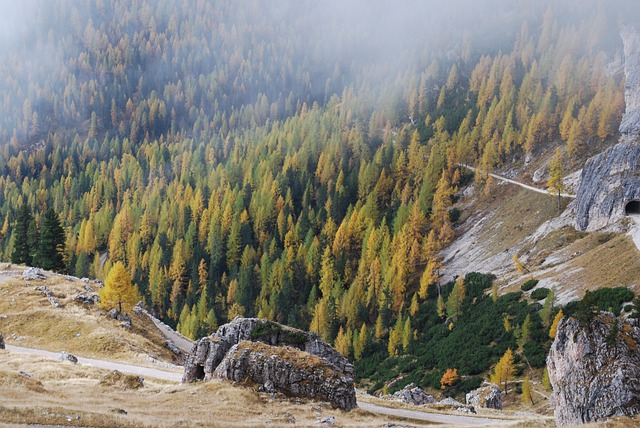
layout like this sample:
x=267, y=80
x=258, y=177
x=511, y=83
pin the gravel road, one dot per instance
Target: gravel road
x=145, y=372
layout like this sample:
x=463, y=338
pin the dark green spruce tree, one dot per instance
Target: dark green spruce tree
x=22, y=250
x=50, y=254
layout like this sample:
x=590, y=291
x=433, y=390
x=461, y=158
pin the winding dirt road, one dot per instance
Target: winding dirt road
x=517, y=183
x=174, y=376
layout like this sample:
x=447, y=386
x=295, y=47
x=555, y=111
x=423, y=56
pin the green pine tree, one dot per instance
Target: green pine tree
x=50, y=255
x=21, y=249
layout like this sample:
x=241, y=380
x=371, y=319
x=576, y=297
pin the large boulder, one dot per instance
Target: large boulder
x=208, y=352
x=288, y=370
x=489, y=397
x=281, y=348
x=413, y=395
x=594, y=368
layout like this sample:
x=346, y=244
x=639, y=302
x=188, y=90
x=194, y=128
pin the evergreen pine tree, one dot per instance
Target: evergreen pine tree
x=21, y=249
x=50, y=255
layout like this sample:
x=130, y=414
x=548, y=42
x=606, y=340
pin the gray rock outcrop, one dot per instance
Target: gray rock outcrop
x=210, y=352
x=609, y=181
x=595, y=369
x=33, y=274
x=489, y=397
x=288, y=370
x=413, y=395
x=630, y=124
x=65, y=356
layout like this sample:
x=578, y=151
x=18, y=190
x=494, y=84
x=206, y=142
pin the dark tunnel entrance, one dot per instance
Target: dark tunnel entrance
x=632, y=208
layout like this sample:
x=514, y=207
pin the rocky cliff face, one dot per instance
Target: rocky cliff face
x=611, y=179
x=220, y=351
x=630, y=124
x=288, y=370
x=595, y=370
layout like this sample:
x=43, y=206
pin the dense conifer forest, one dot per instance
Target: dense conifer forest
x=281, y=160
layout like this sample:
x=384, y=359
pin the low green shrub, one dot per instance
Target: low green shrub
x=529, y=284
x=540, y=293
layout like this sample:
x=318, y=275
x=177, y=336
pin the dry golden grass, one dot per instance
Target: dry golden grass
x=56, y=392
x=28, y=319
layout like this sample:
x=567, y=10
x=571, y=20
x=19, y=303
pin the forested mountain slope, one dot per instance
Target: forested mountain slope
x=292, y=161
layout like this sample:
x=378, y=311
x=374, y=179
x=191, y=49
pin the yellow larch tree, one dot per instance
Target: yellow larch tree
x=118, y=291
x=504, y=370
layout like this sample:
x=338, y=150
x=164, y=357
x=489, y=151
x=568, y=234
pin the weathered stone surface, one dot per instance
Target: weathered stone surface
x=630, y=124
x=489, y=397
x=595, y=373
x=609, y=180
x=291, y=371
x=1, y=342
x=208, y=352
x=413, y=395
x=86, y=299
x=33, y=274
x=64, y=356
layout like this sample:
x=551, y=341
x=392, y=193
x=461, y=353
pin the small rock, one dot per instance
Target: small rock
x=113, y=313
x=119, y=411
x=64, y=356
x=126, y=324
x=414, y=395
x=1, y=342
x=54, y=302
x=450, y=402
x=328, y=420
x=24, y=374
x=70, y=278
x=89, y=288
x=86, y=280
x=138, y=308
x=268, y=387
x=86, y=299
x=172, y=347
x=540, y=173
x=489, y=397
x=33, y=274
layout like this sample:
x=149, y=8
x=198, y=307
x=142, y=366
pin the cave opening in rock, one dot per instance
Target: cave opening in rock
x=199, y=374
x=632, y=208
